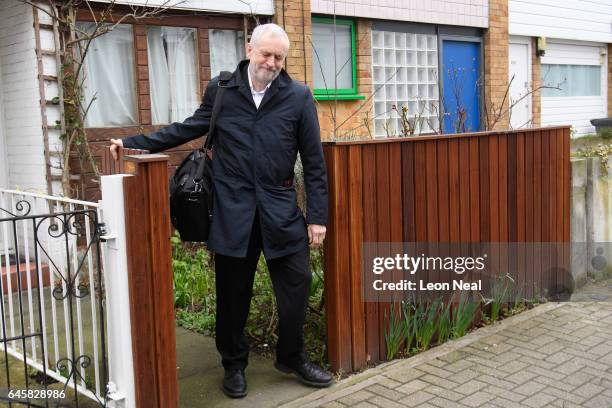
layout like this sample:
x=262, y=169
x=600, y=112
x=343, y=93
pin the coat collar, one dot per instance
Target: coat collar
x=240, y=79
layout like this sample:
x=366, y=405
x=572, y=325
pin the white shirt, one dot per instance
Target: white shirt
x=257, y=95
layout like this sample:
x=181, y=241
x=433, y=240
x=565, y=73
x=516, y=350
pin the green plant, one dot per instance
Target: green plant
x=396, y=332
x=193, y=277
x=602, y=151
x=605, y=133
x=501, y=288
x=426, y=327
x=463, y=316
x=409, y=312
x=444, y=322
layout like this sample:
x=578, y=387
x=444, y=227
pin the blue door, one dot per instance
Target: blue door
x=461, y=86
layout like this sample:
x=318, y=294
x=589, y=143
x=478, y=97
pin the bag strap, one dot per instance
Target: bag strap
x=224, y=78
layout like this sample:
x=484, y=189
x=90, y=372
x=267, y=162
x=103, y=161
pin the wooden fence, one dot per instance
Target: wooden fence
x=511, y=186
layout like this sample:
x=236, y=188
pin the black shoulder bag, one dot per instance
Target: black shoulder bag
x=191, y=187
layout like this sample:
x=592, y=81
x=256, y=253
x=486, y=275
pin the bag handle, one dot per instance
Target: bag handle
x=224, y=78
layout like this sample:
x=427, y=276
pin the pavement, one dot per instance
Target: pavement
x=200, y=373
x=555, y=355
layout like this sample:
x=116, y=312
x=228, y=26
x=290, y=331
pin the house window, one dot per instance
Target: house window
x=334, y=66
x=573, y=80
x=405, y=75
x=110, y=83
x=173, y=73
x=226, y=50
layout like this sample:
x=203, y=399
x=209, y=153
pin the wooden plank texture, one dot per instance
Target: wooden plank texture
x=150, y=281
x=510, y=186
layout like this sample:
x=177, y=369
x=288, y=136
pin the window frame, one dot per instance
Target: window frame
x=321, y=94
x=601, y=84
x=201, y=22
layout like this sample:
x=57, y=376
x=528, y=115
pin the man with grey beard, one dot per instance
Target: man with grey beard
x=266, y=118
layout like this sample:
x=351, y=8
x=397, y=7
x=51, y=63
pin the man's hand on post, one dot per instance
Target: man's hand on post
x=316, y=234
x=115, y=143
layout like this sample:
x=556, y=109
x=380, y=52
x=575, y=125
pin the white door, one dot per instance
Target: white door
x=520, y=97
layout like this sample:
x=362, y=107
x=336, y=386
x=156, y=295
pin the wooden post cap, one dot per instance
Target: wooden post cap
x=131, y=162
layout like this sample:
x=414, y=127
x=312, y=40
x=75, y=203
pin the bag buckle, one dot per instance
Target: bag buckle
x=193, y=196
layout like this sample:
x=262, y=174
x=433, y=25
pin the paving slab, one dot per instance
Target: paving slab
x=555, y=355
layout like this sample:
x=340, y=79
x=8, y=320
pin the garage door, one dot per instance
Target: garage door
x=579, y=71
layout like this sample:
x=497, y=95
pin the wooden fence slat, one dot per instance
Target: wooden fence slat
x=474, y=193
x=537, y=188
x=493, y=189
x=485, y=197
x=464, y=190
x=431, y=188
x=337, y=282
x=420, y=191
x=369, y=235
x=453, y=192
x=530, y=174
x=355, y=186
x=408, y=188
x=383, y=232
x=520, y=205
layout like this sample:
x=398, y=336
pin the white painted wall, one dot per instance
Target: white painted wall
x=261, y=7
x=470, y=13
x=3, y=156
x=576, y=110
x=20, y=98
x=586, y=20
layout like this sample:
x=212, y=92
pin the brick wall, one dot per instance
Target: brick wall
x=295, y=19
x=496, y=69
x=536, y=99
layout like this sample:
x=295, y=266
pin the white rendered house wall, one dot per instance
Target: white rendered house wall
x=3, y=157
x=584, y=20
x=470, y=13
x=260, y=7
x=21, y=100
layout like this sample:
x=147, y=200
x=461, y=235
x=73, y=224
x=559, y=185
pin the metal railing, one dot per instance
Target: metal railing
x=51, y=292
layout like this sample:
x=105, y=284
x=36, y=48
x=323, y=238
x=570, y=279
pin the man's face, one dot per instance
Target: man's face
x=267, y=58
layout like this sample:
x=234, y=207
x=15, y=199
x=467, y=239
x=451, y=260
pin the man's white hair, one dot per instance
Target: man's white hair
x=269, y=29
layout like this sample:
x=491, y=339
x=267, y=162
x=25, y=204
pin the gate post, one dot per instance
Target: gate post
x=149, y=265
x=119, y=336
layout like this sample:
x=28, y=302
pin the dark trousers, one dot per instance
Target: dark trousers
x=291, y=278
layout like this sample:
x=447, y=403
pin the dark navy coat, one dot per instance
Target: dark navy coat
x=254, y=156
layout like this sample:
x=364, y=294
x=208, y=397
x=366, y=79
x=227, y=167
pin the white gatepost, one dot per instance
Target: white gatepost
x=121, y=392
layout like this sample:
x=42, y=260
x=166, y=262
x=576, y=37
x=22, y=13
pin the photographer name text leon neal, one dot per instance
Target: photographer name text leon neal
x=405, y=284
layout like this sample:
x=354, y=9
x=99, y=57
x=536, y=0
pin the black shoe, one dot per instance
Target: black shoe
x=308, y=373
x=234, y=383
